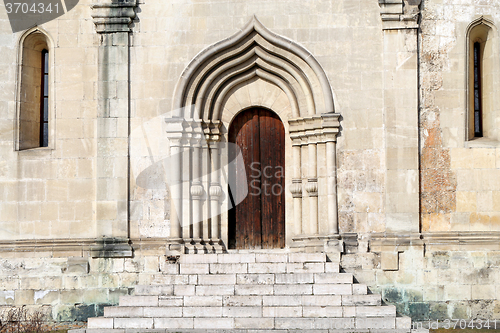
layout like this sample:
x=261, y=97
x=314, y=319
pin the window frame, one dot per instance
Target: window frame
x=51, y=91
x=482, y=31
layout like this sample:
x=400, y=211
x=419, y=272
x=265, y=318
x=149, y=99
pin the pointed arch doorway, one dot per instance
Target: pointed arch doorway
x=259, y=220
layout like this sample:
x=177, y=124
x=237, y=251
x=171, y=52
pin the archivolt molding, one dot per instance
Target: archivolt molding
x=253, y=51
x=480, y=21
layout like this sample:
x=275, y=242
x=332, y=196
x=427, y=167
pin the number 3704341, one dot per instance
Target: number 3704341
x=31, y=8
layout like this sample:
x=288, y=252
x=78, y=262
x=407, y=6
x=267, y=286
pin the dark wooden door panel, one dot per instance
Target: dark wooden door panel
x=272, y=156
x=259, y=220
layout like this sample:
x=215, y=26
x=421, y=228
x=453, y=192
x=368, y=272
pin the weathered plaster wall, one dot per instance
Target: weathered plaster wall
x=459, y=179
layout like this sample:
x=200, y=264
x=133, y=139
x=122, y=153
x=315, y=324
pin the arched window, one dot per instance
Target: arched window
x=34, y=91
x=483, y=110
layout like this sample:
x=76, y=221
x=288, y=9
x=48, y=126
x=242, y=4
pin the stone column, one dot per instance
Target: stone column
x=215, y=192
x=206, y=167
x=312, y=186
x=215, y=197
x=175, y=132
x=296, y=188
x=197, y=190
x=112, y=20
x=186, y=180
x=400, y=29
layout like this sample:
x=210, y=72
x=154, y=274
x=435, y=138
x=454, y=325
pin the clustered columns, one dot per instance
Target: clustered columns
x=195, y=186
x=314, y=185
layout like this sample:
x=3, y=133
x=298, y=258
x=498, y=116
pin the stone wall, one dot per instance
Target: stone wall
x=50, y=197
x=70, y=288
x=434, y=282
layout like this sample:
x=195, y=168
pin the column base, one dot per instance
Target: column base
x=201, y=246
x=175, y=247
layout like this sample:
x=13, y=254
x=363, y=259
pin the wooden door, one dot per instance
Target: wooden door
x=259, y=220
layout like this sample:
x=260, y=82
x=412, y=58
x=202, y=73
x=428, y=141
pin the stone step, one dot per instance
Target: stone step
x=170, y=268
x=244, y=289
x=205, y=307
x=163, y=284
x=287, y=323
x=225, y=258
x=158, y=330
x=252, y=300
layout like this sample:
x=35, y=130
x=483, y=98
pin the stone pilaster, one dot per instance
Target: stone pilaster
x=112, y=20
x=400, y=19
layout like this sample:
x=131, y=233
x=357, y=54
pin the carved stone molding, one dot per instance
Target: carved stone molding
x=312, y=187
x=399, y=14
x=197, y=191
x=315, y=129
x=296, y=188
x=215, y=191
x=253, y=52
x=113, y=16
x=85, y=247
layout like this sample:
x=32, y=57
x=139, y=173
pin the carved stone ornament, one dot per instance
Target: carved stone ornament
x=399, y=14
x=113, y=16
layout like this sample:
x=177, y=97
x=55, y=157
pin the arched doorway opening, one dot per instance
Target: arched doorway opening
x=259, y=220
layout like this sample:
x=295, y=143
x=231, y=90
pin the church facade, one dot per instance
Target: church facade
x=132, y=133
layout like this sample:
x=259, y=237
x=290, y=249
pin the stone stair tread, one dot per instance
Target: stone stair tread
x=260, y=311
x=254, y=257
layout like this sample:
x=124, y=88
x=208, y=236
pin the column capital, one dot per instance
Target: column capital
x=113, y=16
x=399, y=14
x=212, y=131
x=315, y=129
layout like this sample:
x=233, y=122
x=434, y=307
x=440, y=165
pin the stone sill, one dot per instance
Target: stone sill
x=38, y=151
x=482, y=143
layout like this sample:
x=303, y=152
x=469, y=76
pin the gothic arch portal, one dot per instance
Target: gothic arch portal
x=253, y=68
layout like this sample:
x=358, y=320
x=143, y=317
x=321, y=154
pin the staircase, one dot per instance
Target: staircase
x=242, y=292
